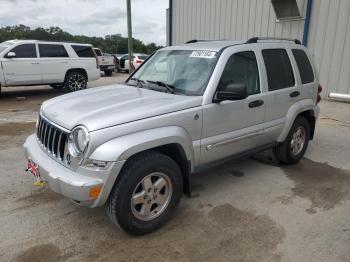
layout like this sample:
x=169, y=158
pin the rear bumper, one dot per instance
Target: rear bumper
x=75, y=185
x=107, y=67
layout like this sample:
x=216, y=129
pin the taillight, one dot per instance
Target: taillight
x=138, y=61
x=96, y=57
x=319, y=90
x=97, y=62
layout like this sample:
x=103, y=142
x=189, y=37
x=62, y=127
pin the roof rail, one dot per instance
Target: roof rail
x=194, y=41
x=256, y=39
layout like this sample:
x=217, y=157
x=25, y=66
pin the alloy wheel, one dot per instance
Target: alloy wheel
x=151, y=196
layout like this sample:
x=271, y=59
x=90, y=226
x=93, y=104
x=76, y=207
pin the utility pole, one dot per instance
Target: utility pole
x=128, y=11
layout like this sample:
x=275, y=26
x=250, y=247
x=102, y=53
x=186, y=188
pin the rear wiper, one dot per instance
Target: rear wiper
x=169, y=88
x=139, y=82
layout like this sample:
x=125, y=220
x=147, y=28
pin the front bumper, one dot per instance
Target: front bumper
x=75, y=185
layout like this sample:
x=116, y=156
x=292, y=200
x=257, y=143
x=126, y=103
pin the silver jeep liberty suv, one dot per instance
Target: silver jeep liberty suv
x=132, y=147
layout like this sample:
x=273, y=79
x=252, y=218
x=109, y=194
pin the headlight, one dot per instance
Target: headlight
x=78, y=141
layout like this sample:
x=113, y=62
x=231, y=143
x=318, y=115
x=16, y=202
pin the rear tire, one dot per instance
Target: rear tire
x=294, y=147
x=108, y=73
x=145, y=195
x=75, y=81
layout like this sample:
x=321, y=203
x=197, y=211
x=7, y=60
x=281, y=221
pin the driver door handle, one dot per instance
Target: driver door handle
x=256, y=103
x=294, y=94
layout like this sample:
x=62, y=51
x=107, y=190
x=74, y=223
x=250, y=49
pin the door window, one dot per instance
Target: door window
x=278, y=69
x=25, y=51
x=83, y=51
x=304, y=66
x=241, y=68
x=50, y=50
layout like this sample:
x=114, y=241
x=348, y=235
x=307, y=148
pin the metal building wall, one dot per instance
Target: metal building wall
x=329, y=35
x=230, y=19
x=329, y=42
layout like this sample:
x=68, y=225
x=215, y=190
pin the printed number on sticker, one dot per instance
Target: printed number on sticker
x=203, y=54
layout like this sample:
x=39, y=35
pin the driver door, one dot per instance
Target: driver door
x=233, y=127
x=24, y=68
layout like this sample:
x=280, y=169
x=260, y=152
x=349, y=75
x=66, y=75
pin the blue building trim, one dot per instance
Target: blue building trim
x=307, y=22
x=170, y=36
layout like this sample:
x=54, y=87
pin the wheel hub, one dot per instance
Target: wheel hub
x=298, y=140
x=151, y=196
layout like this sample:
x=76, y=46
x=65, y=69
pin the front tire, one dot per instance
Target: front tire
x=146, y=193
x=75, y=81
x=294, y=147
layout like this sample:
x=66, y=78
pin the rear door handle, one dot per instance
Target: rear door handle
x=294, y=94
x=256, y=103
x=35, y=63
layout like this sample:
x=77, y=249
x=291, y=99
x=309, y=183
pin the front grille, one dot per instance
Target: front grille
x=52, y=138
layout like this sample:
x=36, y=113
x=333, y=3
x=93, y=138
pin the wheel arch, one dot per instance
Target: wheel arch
x=174, y=142
x=81, y=70
x=305, y=108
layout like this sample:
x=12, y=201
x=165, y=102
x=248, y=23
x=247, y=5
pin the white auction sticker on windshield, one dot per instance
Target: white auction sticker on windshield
x=203, y=54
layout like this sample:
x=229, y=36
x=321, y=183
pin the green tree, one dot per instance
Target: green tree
x=109, y=44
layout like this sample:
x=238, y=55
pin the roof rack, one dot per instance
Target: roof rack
x=256, y=39
x=194, y=41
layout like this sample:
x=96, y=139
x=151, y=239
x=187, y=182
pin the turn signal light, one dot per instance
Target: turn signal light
x=95, y=191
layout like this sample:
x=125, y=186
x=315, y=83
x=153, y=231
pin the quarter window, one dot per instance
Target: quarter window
x=50, y=50
x=83, y=51
x=98, y=52
x=25, y=51
x=241, y=68
x=278, y=69
x=304, y=66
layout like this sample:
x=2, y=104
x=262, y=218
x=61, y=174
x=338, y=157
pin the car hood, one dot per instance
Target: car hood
x=102, y=107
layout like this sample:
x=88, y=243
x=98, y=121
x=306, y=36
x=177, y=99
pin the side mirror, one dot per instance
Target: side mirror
x=11, y=55
x=232, y=92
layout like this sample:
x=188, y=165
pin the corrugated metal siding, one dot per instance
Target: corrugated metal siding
x=230, y=19
x=329, y=35
x=329, y=41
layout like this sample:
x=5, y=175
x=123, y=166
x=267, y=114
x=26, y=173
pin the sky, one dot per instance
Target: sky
x=90, y=17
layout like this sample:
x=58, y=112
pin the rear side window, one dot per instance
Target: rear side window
x=50, y=50
x=25, y=51
x=241, y=68
x=98, y=52
x=304, y=66
x=83, y=51
x=278, y=69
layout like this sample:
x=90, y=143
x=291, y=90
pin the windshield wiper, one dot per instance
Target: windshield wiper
x=139, y=82
x=169, y=88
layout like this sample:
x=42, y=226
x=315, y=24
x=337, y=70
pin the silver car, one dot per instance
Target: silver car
x=132, y=147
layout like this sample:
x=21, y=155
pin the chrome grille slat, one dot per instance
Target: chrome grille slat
x=44, y=135
x=58, y=147
x=48, y=139
x=52, y=138
x=42, y=132
x=53, y=143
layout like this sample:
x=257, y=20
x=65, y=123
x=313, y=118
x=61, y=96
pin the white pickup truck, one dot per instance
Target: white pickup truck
x=107, y=63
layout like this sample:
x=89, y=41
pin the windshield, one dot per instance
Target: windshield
x=187, y=71
x=5, y=45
